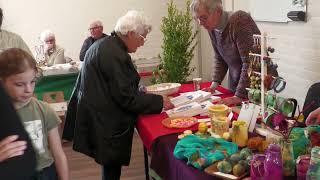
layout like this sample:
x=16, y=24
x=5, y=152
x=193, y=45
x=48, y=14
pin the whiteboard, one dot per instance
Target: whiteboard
x=275, y=10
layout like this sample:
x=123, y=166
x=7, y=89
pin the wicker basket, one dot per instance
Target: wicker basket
x=164, y=88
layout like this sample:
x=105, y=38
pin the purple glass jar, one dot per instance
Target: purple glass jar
x=257, y=167
x=273, y=163
x=303, y=163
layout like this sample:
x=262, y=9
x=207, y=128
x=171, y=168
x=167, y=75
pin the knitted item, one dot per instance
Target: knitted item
x=202, y=152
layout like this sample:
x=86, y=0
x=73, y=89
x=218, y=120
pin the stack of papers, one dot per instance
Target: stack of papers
x=192, y=103
x=190, y=109
x=189, y=97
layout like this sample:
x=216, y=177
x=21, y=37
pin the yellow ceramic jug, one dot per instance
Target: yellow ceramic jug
x=218, y=110
x=220, y=125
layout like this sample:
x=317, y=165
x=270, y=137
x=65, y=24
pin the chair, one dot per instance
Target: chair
x=312, y=100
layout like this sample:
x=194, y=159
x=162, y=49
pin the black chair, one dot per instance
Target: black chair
x=312, y=100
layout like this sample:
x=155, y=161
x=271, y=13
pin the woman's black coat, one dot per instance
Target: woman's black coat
x=106, y=103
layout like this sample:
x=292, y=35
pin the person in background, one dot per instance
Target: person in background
x=232, y=38
x=18, y=73
x=53, y=53
x=10, y=39
x=108, y=100
x=96, y=32
x=313, y=118
x=16, y=152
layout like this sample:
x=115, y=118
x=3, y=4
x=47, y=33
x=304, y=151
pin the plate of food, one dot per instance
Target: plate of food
x=179, y=122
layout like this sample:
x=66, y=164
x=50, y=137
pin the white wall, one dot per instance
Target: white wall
x=69, y=20
x=297, y=45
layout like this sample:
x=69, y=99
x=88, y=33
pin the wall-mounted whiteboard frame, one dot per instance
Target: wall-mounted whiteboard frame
x=275, y=10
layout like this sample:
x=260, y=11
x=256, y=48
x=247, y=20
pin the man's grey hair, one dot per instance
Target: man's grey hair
x=210, y=5
x=96, y=24
x=134, y=21
x=46, y=34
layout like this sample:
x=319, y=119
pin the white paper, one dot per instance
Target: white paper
x=204, y=106
x=216, y=92
x=186, y=98
x=249, y=113
x=215, y=99
x=191, y=109
x=254, y=118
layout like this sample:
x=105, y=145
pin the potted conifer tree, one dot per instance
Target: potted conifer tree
x=179, y=42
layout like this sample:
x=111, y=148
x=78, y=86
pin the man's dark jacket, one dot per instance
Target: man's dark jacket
x=86, y=44
x=106, y=103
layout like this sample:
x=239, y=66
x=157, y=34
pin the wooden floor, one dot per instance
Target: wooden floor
x=84, y=168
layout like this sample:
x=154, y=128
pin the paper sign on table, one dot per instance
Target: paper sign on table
x=249, y=113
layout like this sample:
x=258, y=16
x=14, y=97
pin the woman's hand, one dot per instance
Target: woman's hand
x=313, y=118
x=167, y=103
x=10, y=147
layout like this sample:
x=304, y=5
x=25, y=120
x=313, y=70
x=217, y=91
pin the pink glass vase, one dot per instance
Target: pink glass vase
x=257, y=167
x=273, y=163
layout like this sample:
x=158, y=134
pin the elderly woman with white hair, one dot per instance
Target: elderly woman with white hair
x=106, y=102
x=53, y=53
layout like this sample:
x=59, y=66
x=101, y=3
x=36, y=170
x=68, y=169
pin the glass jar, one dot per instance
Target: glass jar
x=257, y=167
x=240, y=133
x=287, y=158
x=273, y=163
x=314, y=168
x=303, y=163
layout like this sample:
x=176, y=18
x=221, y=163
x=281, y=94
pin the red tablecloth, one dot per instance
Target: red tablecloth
x=150, y=126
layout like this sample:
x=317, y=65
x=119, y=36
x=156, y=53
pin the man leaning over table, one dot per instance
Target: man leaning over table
x=231, y=35
x=10, y=39
x=108, y=100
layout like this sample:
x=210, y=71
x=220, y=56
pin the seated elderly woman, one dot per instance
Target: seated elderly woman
x=53, y=53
